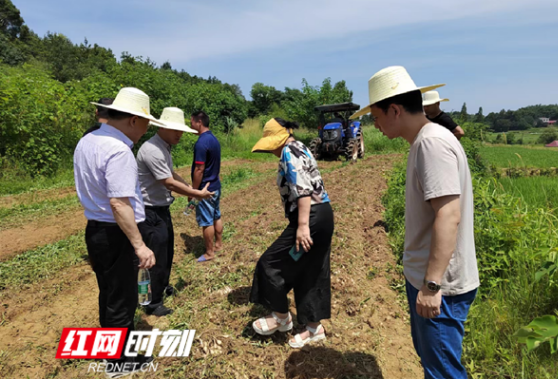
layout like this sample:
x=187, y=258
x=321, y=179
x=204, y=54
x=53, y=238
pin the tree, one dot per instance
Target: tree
x=166, y=66
x=479, y=116
x=10, y=19
x=502, y=125
x=463, y=115
x=263, y=97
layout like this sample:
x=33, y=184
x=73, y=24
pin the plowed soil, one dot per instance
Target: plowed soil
x=368, y=334
x=45, y=230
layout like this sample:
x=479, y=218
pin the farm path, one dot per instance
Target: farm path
x=368, y=334
x=38, y=230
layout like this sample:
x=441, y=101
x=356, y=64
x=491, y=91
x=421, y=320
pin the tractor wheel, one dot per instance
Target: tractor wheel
x=360, y=138
x=352, y=149
x=314, y=148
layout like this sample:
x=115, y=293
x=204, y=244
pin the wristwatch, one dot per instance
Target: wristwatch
x=432, y=285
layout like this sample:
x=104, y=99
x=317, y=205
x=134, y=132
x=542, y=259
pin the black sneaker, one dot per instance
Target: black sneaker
x=161, y=310
x=127, y=366
x=169, y=291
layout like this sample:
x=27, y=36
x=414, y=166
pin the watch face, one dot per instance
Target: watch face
x=433, y=287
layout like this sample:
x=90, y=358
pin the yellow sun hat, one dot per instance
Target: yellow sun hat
x=274, y=136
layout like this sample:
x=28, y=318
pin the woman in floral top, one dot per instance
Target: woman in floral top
x=300, y=258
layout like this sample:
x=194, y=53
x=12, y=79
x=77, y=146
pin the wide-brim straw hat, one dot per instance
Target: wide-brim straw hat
x=274, y=136
x=389, y=82
x=431, y=97
x=133, y=101
x=173, y=118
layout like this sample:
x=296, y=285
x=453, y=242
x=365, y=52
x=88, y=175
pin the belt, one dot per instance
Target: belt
x=96, y=223
x=162, y=207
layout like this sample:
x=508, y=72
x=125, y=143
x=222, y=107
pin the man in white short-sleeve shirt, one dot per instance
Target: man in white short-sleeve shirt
x=106, y=177
x=439, y=259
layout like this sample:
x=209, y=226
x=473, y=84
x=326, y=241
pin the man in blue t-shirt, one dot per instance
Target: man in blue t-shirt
x=205, y=169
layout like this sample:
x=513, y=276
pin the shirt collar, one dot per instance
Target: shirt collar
x=111, y=130
x=157, y=138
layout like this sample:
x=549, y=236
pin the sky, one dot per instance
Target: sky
x=493, y=54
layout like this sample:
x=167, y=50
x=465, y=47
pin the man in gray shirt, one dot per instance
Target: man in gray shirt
x=439, y=260
x=157, y=179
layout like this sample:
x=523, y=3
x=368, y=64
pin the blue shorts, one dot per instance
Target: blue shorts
x=208, y=211
x=438, y=341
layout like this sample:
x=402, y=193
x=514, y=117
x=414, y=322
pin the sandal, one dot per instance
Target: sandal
x=314, y=337
x=283, y=325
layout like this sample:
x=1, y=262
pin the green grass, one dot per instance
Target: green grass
x=516, y=156
x=12, y=183
x=42, y=263
x=537, y=191
x=529, y=137
x=376, y=143
x=25, y=212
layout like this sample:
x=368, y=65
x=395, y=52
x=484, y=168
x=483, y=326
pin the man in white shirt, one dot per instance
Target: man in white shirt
x=106, y=177
x=439, y=259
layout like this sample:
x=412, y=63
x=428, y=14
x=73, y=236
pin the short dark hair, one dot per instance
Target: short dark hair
x=287, y=124
x=101, y=111
x=117, y=115
x=410, y=101
x=201, y=116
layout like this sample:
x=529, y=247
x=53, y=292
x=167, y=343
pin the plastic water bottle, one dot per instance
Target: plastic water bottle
x=190, y=207
x=144, y=287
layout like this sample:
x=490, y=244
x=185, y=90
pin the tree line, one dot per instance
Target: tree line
x=507, y=120
x=47, y=84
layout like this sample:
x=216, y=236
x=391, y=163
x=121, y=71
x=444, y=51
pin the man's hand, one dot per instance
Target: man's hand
x=428, y=303
x=205, y=194
x=303, y=238
x=146, y=257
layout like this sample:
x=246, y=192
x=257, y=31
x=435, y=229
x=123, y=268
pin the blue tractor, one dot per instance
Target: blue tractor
x=338, y=135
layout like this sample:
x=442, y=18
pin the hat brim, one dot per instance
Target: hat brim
x=431, y=102
x=268, y=144
x=366, y=109
x=176, y=126
x=147, y=116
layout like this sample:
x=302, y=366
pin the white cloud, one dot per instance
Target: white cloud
x=181, y=31
x=214, y=28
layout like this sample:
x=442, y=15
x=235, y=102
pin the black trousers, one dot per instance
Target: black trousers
x=310, y=277
x=112, y=257
x=158, y=234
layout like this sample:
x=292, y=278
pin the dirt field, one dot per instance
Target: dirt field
x=368, y=334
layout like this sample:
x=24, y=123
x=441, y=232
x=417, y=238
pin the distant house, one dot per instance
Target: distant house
x=547, y=121
x=552, y=144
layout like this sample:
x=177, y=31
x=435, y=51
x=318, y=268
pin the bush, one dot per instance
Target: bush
x=42, y=119
x=548, y=136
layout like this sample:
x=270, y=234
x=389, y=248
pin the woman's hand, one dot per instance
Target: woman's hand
x=303, y=238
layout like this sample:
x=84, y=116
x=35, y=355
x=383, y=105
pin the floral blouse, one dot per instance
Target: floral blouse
x=298, y=176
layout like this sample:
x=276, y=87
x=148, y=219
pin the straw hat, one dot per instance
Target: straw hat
x=390, y=82
x=173, y=118
x=274, y=136
x=431, y=97
x=133, y=101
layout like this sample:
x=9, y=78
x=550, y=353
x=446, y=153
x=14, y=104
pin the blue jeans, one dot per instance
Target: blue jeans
x=438, y=341
x=208, y=210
